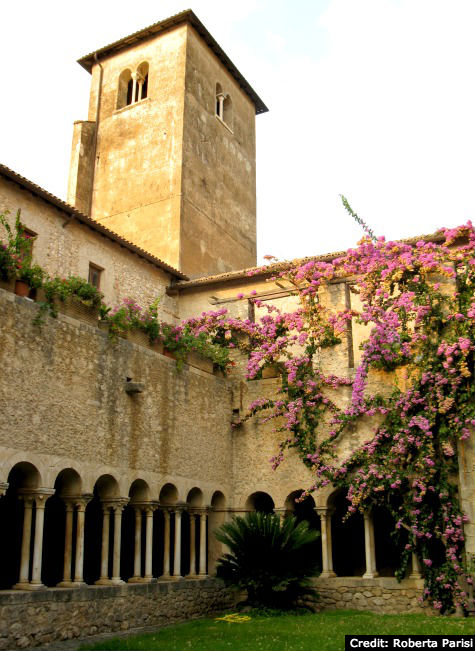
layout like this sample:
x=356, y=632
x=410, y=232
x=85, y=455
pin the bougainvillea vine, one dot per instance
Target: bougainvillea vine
x=417, y=301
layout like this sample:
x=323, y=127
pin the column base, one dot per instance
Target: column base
x=140, y=579
x=203, y=576
x=191, y=577
x=28, y=586
x=415, y=576
x=175, y=577
x=327, y=574
x=370, y=575
x=117, y=581
x=103, y=581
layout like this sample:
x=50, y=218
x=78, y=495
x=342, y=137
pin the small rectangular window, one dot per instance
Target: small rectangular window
x=31, y=237
x=94, y=277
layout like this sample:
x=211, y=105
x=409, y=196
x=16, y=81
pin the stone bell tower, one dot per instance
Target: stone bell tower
x=167, y=156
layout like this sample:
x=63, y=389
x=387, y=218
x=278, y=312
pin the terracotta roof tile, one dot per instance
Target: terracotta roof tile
x=92, y=223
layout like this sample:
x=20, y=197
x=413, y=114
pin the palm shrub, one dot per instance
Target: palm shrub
x=273, y=561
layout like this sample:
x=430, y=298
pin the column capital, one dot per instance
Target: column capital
x=145, y=506
x=37, y=495
x=116, y=503
x=323, y=511
x=176, y=508
x=3, y=487
x=83, y=500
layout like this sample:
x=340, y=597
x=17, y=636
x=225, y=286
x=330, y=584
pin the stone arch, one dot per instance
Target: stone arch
x=107, y=487
x=303, y=510
x=195, y=497
x=124, y=89
x=260, y=501
x=133, y=517
x=23, y=477
x=168, y=494
x=142, y=81
x=139, y=491
x=68, y=487
x=106, y=490
x=190, y=531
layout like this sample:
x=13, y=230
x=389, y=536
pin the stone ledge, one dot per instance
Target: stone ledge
x=388, y=582
x=88, y=592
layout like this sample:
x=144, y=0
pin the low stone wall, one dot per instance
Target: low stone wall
x=33, y=618
x=381, y=595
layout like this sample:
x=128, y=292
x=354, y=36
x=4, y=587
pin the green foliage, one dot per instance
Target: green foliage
x=273, y=561
x=15, y=256
x=60, y=289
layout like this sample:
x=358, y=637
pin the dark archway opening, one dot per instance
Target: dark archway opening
x=261, y=502
x=93, y=539
x=347, y=539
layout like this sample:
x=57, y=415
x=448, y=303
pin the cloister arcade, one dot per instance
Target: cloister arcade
x=66, y=536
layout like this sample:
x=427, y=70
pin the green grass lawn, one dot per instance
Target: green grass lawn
x=308, y=632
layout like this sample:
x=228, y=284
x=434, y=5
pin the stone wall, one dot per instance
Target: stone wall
x=35, y=618
x=67, y=250
x=381, y=595
x=64, y=405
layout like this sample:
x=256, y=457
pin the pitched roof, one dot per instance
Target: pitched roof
x=84, y=219
x=264, y=270
x=187, y=16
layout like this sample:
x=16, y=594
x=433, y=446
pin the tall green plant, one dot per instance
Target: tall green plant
x=273, y=561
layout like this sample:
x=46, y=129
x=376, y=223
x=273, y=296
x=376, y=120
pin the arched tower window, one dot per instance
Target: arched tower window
x=224, y=106
x=133, y=86
x=142, y=81
x=228, y=111
x=124, y=92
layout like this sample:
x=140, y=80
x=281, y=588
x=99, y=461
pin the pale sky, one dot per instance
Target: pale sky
x=374, y=99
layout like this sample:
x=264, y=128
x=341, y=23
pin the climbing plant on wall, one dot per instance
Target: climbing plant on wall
x=418, y=303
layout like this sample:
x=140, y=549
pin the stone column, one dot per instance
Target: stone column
x=221, y=105
x=203, y=550
x=104, y=578
x=3, y=488
x=281, y=513
x=326, y=535
x=177, y=550
x=138, y=547
x=370, y=554
x=166, y=545
x=81, y=504
x=192, y=573
x=148, y=543
x=117, y=509
x=40, y=503
x=68, y=541
x=134, y=87
x=416, y=568
x=24, y=579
